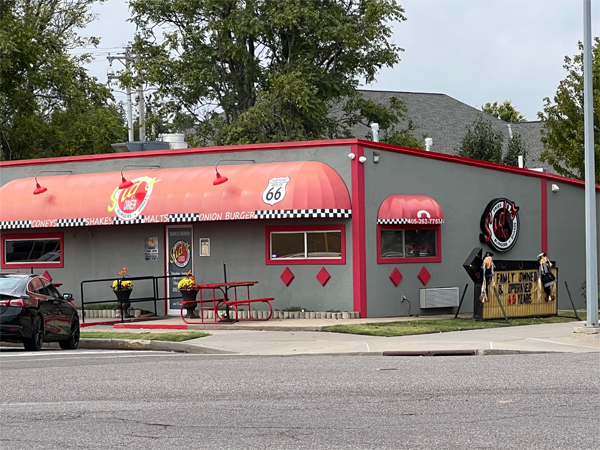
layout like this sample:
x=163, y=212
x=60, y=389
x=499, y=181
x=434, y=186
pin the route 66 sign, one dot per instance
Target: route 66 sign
x=275, y=191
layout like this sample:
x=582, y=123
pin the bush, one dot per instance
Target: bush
x=294, y=309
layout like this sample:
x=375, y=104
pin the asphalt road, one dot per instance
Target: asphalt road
x=147, y=400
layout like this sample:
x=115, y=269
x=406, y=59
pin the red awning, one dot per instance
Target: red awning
x=304, y=189
x=410, y=210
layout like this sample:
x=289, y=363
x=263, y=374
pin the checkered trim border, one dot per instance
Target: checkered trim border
x=392, y=221
x=137, y=220
x=304, y=214
x=15, y=224
x=70, y=223
x=405, y=222
x=184, y=217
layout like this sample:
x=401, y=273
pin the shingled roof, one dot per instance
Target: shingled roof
x=446, y=120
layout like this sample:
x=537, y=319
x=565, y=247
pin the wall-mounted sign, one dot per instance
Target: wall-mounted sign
x=275, y=190
x=204, y=246
x=500, y=224
x=151, y=253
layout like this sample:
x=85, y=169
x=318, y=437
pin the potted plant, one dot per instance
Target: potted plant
x=189, y=290
x=122, y=289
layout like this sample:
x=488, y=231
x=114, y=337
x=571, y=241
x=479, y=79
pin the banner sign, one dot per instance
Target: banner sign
x=520, y=292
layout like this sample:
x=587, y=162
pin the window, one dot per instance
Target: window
x=305, y=245
x=397, y=244
x=52, y=291
x=32, y=250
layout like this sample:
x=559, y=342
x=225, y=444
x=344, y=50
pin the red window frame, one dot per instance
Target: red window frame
x=300, y=229
x=32, y=236
x=405, y=260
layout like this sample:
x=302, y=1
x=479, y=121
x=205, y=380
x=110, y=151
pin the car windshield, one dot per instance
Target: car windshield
x=10, y=285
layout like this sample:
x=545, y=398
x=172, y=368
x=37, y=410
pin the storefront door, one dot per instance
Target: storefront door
x=180, y=260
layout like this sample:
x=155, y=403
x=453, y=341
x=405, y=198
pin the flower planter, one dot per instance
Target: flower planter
x=188, y=296
x=124, y=303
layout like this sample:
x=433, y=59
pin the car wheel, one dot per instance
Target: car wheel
x=73, y=341
x=37, y=336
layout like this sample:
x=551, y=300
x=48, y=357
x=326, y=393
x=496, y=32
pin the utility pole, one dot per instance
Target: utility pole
x=125, y=58
x=591, y=254
x=141, y=113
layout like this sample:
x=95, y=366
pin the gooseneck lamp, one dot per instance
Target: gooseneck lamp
x=39, y=189
x=124, y=182
x=220, y=179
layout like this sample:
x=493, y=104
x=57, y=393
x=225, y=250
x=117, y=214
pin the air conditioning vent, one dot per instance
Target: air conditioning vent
x=446, y=297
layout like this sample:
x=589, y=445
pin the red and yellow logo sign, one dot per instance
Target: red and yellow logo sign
x=180, y=254
x=129, y=203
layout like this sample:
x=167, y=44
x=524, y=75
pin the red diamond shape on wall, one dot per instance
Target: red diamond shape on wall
x=323, y=276
x=396, y=276
x=424, y=276
x=287, y=276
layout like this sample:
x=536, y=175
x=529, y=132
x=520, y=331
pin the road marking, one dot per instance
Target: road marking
x=491, y=345
x=368, y=349
x=563, y=343
x=50, y=353
x=57, y=356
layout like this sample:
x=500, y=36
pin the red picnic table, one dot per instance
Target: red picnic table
x=219, y=296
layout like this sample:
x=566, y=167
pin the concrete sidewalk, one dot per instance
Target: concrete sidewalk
x=303, y=337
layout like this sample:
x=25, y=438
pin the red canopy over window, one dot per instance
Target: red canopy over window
x=304, y=189
x=410, y=210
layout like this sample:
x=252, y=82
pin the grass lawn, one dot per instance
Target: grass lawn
x=170, y=337
x=426, y=326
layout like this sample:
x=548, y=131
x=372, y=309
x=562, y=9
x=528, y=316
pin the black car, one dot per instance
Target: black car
x=32, y=311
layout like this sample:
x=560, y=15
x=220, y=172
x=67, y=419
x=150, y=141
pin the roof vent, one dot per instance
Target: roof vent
x=175, y=140
x=428, y=144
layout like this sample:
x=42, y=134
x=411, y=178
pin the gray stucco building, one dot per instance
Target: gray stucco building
x=348, y=225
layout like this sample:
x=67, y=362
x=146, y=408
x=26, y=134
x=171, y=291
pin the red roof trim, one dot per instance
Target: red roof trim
x=178, y=152
x=295, y=145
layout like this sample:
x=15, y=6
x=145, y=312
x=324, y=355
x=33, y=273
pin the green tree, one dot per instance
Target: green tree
x=49, y=106
x=506, y=111
x=563, y=133
x=482, y=142
x=247, y=71
x=516, y=147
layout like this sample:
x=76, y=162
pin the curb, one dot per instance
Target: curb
x=194, y=327
x=182, y=347
x=144, y=344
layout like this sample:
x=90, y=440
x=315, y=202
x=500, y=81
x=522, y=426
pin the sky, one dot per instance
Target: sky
x=476, y=51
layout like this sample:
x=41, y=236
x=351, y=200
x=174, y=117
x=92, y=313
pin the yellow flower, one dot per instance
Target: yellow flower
x=188, y=282
x=126, y=285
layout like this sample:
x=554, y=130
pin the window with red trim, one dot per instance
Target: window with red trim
x=32, y=250
x=305, y=245
x=408, y=244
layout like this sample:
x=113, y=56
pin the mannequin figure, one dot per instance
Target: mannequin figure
x=487, y=269
x=546, y=279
